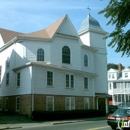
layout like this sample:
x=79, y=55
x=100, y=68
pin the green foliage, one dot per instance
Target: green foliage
x=114, y=66
x=119, y=13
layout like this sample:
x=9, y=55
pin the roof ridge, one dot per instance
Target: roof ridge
x=48, y=32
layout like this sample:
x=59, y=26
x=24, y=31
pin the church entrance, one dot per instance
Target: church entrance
x=101, y=104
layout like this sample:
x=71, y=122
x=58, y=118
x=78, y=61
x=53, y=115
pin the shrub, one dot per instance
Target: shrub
x=62, y=115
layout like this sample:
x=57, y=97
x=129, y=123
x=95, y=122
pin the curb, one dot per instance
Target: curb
x=3, y=128
x=13, y=127
x=56, y=123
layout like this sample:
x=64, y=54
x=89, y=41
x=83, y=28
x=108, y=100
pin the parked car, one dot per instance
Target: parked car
x=112, y=108
x=120, y=118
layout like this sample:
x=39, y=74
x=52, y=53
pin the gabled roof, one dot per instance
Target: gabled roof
x=112, y=70
x=48, y=32
x=126, y=70
x=8, y=35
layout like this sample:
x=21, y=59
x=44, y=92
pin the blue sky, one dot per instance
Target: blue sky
x=32, y=15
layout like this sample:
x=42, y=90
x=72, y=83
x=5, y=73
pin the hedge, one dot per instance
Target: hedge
x=62, y=115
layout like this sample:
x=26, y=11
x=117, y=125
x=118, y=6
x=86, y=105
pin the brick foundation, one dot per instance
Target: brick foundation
x=40, y=103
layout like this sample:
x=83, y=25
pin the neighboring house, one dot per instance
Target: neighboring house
x=119, y=85
x=54, y=69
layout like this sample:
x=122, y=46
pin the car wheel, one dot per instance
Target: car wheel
x=113, y=127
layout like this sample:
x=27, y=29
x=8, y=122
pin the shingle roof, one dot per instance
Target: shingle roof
x=8, y=35
x=47, y=32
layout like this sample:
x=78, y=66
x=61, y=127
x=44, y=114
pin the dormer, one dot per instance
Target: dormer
x=113, y=74
x=126, y=73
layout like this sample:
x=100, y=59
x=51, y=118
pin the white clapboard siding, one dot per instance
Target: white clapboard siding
x=32, y=47
x=59, y=80
x=12, y=89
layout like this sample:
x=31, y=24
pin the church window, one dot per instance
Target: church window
x=40, y=55
x=85, y=60
x=66, y=55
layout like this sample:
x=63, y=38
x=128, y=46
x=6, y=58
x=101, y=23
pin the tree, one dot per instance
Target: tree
x=114, y=66
x=119, y=13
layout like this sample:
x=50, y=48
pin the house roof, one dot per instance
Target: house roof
x=113, y=70
x=47, y=32
x=8, y=35
x=44, y=64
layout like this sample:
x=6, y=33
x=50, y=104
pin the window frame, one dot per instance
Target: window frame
x=7, y=63
x=85, y=60
x=86, y=83
x=0, y=73
x=7, y=79
x=6, y=104
x=66, y=55
x=40, y=54
x=17, y=104
x=70, y=81
x=86, y=100
x=0, y=103
x=126, y=75
x=18, y=79
x=70, y=105
x=47, y=103
x=50, y=79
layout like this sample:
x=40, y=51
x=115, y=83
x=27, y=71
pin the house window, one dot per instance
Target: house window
x=86, y=82
x=6, y=104
x=126, y=75
x=66, y=55
x=49, y=78
x=0, y=73
x=114, y=85
x=110, y=86
x=69, y=81
x=113, y=76
x=85, y=60
x=40, y=55
x=18, y=79
x=17, y=103
x=50, y=103
x=7, y=63
x=109, y=76
x=86, y=103
x=0, y=103
x=7, y=78
x=69, y=103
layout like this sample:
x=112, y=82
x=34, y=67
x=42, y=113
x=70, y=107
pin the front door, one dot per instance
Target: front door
x=101, y=104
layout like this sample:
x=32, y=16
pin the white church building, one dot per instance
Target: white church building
x=56, y=68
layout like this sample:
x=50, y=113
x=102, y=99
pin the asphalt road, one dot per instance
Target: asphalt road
x=87, y=125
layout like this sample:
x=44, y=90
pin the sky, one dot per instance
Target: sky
x=32, y=15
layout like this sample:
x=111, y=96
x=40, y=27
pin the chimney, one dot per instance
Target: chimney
x=120, y=68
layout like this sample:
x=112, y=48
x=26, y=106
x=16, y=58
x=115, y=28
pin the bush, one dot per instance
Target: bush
x=62, y=115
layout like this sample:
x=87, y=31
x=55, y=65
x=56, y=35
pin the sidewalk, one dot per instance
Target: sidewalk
x=17, y=121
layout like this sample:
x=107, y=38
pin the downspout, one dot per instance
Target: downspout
x=32, y=89
x=93, y=83
x=93, y=94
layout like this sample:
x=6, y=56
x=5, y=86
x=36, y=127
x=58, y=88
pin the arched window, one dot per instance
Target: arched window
x=85, y=60
x=66, y=55
x=40, y=55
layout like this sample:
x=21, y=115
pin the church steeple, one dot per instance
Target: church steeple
x=90, y=23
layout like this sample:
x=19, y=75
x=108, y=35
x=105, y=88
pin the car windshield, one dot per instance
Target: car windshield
x=122, y=111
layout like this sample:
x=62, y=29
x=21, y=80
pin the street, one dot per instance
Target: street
x=86, y=125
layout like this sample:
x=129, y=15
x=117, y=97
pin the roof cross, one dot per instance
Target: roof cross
x=88, y=9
